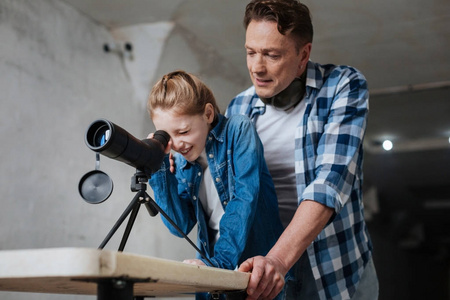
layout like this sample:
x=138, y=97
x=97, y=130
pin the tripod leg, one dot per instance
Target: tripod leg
x=130, y=224
x=151, y=209
x=133, y=203
x=155, y=207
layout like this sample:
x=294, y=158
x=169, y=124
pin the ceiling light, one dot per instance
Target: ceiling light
x=407, y=145
x=387, y=145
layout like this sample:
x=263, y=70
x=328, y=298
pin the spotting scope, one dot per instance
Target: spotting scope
x=113, y=141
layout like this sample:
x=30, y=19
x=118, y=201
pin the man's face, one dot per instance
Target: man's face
x=272, y=58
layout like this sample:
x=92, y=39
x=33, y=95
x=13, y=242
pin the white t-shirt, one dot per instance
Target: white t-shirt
x=210, y=198
x=277, y=127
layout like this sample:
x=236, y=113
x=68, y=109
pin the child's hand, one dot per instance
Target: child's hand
x=197, y=262
x=172, y=163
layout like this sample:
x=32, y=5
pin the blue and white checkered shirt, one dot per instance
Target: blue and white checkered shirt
x=328, y=169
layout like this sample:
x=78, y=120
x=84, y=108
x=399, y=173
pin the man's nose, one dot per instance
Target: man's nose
x=257, y=64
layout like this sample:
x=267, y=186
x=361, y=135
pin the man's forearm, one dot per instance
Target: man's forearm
x=308, y=221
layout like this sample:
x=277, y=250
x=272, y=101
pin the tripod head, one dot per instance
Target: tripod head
x=139, y=181
x=139, y=184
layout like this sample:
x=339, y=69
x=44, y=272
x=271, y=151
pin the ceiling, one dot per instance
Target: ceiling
x=401, y=47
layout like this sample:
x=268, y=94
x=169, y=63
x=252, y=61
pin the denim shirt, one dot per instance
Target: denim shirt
x=250, y=225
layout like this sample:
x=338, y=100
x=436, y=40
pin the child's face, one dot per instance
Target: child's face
x=188, y=133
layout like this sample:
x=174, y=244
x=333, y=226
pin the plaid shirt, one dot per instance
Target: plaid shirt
x=328, y=168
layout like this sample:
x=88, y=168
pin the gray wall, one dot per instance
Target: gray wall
x=56, y=80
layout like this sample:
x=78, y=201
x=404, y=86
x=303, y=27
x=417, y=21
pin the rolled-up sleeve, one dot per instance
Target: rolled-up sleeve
x=336, y=131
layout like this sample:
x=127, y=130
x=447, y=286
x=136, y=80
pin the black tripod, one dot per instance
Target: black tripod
x=139, y=185
x=122, y=288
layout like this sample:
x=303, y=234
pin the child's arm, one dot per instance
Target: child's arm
x=172, y=199
x=247, y=162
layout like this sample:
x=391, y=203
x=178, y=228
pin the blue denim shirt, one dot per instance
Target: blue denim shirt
x=250, y=225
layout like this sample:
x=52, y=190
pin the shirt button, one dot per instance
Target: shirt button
x=211, y=155
x=217, y=179
x=225, y=203
x=195, y=198
x=210, y=138
x=199, y=173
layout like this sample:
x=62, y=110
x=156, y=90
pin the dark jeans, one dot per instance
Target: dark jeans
x=305, y=287
x=300, y=282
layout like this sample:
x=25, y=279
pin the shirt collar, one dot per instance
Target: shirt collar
x=259, y=103
x=218, y=132
x=314, y=77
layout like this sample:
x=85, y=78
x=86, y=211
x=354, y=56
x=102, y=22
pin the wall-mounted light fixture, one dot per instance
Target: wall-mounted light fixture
x=387, y=145
x=402, y=145
x=124, y=50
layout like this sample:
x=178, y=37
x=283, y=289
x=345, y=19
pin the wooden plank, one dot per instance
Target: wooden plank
x=76, y=271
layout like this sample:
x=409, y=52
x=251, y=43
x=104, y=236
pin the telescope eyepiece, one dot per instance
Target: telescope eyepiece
x=162, y=136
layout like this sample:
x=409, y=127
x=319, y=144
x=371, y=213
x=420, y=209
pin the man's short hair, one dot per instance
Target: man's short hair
x=291, y=16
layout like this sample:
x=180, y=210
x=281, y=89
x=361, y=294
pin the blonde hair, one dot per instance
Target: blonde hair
x=183, y=91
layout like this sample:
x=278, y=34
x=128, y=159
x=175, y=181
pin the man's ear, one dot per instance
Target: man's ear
x=305, y=52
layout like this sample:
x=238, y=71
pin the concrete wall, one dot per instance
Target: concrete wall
x=55, y=80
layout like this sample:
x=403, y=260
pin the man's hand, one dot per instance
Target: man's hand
x=267, y=277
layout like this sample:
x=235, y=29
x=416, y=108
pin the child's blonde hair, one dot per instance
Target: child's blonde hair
x=182, y=91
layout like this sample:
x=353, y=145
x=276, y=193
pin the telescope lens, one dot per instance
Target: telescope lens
x=115, y=142
x=101, y=136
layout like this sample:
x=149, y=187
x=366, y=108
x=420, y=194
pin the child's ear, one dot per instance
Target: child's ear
x=209, y=113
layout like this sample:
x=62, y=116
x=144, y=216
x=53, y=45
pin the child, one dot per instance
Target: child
x=217, y=178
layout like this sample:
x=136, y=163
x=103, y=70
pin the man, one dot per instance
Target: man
x=311, y=119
